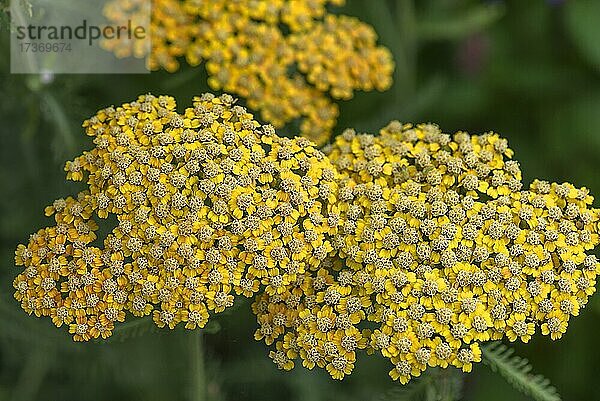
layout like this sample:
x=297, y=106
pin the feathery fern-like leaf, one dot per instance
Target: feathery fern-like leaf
x=518, y=372
x=142, y=326
x=132, y=329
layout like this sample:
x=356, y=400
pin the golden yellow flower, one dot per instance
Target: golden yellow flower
x=412, y=244
x=439, y=248
x=286, y=58
x=208, y=204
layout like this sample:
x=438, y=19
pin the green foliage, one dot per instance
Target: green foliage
x=472, y=20
x=135, y=328
x=517, y=371
x=23, y=9
x=132, y=329
x=581, y=18
x=17, y=327
x=527, y=69
x=434, y=385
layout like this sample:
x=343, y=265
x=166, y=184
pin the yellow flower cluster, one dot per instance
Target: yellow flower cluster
x=206, y=204
x=413, y=244
x=286, y=58
x=439, y=249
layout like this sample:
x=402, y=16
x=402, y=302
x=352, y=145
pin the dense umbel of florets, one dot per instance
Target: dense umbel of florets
x=441, y=250
x=413, y=244
x=208, y=204
x=287, y=59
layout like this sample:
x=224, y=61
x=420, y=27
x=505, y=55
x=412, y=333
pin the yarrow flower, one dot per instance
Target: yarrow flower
x=208, y=204
x=412, y=244
x=287, y=59
x=439, y=249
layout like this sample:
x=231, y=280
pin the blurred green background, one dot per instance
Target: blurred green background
x=529, y=70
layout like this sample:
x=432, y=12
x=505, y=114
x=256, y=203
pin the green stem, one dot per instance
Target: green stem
x=198, y=370
x=397, y=31
x=406, y=49
x=61, y=121
x=27, y=140
x=33, y=373
x=19, y=19
x=450, y=383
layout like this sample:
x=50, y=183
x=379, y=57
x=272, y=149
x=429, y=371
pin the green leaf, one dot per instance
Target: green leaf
x=132, y=329
x=142, y=326
x=18, y=326
x=581, y=20
x=212, y=327
x=517, y=371
x=464, y=24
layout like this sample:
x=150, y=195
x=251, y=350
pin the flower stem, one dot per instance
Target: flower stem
x=198, y=372
x=406, y=48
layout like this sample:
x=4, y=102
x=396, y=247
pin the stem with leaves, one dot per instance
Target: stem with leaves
x=517, y=371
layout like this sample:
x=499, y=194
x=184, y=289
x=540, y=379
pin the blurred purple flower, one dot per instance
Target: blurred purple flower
x=472, y=54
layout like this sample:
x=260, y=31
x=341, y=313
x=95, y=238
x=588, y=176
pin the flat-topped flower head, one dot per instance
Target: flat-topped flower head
x=287, y=59
x=412, y=244
x=208, y=204
x=441, y=250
